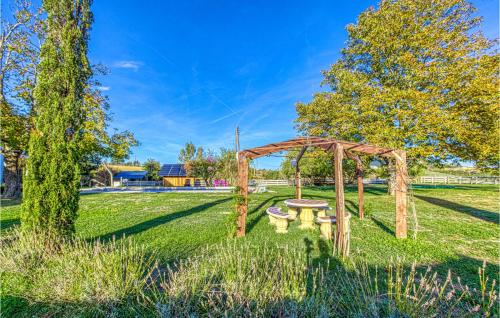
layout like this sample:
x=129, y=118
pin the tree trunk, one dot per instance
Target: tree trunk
x=110, y=174
x=12, y=175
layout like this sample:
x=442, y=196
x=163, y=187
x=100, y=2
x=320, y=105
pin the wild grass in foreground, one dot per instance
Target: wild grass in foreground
x=234, y=278
x=84, y=275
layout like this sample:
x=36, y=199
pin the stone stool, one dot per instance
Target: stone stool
x=325, y=226
x=322, y=211
x=279, y=219
x=293, y=212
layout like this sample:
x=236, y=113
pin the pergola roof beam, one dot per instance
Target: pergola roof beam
x=324, y=143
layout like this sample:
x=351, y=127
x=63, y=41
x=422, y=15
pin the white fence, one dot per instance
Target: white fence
x=374, y=181
x=457, y=180
x=423, y=179
x=272, y=182
x=142, y=183
x=309, y=182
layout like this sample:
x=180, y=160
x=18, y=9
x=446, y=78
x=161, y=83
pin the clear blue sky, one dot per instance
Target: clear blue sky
x=192, y=70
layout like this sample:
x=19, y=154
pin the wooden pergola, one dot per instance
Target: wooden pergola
x=339, y=149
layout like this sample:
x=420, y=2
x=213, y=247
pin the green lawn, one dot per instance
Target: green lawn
x=457, y=227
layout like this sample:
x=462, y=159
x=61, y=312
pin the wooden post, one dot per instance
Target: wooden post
x=361, y=189
x=298, y=183
x=243, y=185
x=401, y=190
x=339, y=200
x=359, y=175
x=298, y=180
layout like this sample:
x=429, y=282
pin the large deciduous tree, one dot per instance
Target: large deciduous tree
x=417, y=75
x=20, y=40
x=52, y=179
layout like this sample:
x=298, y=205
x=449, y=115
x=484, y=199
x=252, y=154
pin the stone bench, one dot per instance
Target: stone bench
x=279, y=219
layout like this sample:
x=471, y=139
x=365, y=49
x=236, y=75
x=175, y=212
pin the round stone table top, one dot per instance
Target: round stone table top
x=306, y=203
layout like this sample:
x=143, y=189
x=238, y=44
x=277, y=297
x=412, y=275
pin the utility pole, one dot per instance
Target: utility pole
x=237, y=139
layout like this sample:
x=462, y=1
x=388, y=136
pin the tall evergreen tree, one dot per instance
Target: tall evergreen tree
x=52, y=178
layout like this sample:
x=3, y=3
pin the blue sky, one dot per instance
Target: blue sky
x=192, y=70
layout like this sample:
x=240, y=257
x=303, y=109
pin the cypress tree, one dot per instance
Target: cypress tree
x=52, y=180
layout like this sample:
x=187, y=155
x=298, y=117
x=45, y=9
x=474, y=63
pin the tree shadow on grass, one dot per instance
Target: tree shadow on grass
x=9, y=202
x=352, y=207
x=481, y=187
x=484, y=215
x=466, y=268
x=20, y=307
x=6, y=224
x=316, y=196
x=250, y=225
x=383, y=226
x=146, y=225
x=375, y=191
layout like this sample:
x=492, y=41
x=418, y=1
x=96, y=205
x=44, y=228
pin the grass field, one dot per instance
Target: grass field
x=457, y=226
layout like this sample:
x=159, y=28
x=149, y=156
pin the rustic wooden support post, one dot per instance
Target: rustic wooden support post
x=298, y=180
x=361, y=190
x=298, y=183
x=341, y=244
x=243, y=191
x=401, y=190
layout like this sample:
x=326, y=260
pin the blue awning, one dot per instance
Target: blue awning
x=131, y=175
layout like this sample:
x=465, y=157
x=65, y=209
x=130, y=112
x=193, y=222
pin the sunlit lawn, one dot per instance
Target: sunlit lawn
x=457, y=226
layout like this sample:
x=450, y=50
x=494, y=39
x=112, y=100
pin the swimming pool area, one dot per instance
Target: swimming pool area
x=156, y=189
